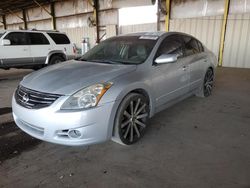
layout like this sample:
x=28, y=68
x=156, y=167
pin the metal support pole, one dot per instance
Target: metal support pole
x=53, y=18
x=223, y=31
x=24, y=19
x=96, y=15
x=168, y=11
x=158, y=15
x=4, y=22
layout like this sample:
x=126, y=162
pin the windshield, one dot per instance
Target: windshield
x=1, y=34
x=125, y=50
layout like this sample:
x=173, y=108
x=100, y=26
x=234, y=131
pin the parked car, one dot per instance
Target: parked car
x=113, y=90
x=34, y=49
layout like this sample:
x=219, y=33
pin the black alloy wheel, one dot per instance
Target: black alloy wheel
x=208, y=83
x=132, y=118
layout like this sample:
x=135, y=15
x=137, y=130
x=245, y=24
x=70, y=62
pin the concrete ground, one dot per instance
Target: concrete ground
x=196, y=143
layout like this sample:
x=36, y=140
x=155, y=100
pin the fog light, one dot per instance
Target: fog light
x=74, y=134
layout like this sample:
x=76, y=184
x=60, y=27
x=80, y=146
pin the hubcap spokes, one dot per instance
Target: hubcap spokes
x=134, y=119
x=208, y=84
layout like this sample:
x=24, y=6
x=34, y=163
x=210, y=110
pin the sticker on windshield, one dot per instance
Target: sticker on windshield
x=149, y=37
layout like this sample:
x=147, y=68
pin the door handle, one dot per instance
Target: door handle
x=25, y=49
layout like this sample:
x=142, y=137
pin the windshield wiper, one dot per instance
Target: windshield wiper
x=107, y=61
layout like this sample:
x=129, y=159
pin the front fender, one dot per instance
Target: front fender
x=128, y=83
x=122, y=92
x=122, y=86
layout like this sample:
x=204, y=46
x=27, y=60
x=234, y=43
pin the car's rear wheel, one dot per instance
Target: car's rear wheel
x=207, y=87
x=56, y=59
x=131, y=119
x=37, y=67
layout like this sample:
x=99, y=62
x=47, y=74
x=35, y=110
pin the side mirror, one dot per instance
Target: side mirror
x=6, y=42
x=166, y=58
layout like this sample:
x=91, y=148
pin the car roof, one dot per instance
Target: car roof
x=32, y=31
x=155, y=34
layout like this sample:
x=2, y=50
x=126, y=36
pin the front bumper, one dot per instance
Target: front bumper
x=53, y=125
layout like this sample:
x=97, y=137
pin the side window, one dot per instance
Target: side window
x=191, y=46
x=59, y=38
x=17, y=38
x=171, y=45
x=200, y=46
x=37, y=39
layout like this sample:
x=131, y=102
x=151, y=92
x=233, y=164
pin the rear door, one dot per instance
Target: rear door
x=194, y=59
x=18, y=52
x=62, y=43
x=170, y=80
x=39, y=47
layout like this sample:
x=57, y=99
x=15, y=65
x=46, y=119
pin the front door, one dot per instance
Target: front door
x=18, y=52
x=170, y=80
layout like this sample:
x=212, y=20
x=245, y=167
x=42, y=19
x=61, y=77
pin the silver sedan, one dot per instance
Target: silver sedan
x=113, y=90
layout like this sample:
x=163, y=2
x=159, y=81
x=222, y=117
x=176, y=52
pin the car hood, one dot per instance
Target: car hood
x=69, y=77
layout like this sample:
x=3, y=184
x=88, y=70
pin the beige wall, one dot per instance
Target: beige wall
x=237, y=41
x=206, y=29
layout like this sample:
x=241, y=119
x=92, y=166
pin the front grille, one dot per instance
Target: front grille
x=34, y=99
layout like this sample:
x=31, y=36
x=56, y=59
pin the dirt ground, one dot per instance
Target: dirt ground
x=195, y=143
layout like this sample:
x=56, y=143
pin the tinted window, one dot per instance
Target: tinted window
x=191, y=46
x=200, y=47
x=37, y=39
x=17, y=38
x=1, y=34
x=171, y=45
x=59, y=38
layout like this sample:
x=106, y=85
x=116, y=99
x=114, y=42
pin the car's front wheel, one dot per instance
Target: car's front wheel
x=131, y=119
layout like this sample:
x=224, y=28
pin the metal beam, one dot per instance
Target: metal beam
x=96, y=15
x=4, y=22
x=168, y=11
x=42, y=7
x=53, y=18
x=223, y=31
x=13, y=13
x=24, y=19
x=158, y=15
x=51, y=13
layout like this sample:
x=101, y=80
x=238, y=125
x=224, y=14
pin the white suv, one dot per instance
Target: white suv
x=34, y=49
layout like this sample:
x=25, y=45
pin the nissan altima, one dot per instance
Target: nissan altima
x=113, y=90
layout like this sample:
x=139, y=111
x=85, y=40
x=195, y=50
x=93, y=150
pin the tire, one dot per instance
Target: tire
x=56, y=59
x=131, y=119
x=207, y=86
x=37, y=68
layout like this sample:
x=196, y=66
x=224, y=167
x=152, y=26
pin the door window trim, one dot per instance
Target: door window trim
x=166, y=38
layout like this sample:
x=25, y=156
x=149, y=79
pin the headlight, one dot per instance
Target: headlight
x=86, y=98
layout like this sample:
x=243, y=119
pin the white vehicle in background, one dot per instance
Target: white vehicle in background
x=34, y=49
